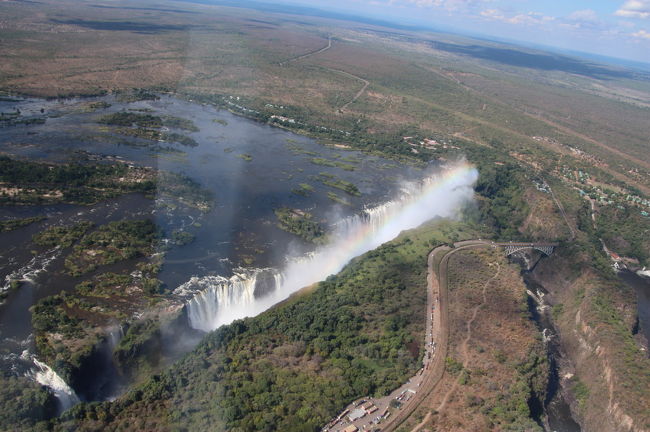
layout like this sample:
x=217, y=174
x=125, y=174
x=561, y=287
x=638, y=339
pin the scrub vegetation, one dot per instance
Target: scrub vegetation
x=113, y=242
x=300, y=223
x=13, y=224
x=25, y=182
x=63, y=236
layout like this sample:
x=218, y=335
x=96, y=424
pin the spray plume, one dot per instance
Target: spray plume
x=441, y=194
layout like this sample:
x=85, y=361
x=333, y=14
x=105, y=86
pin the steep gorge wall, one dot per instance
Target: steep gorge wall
x=605, y=370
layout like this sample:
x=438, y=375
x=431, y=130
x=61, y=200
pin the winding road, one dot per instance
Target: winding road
x=365, y=82
x=358, y=94
x=302, y=56
x=438, y=282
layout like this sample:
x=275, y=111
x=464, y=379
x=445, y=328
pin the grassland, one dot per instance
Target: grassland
x=441, y=89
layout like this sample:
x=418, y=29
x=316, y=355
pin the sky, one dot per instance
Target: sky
x=614, y=28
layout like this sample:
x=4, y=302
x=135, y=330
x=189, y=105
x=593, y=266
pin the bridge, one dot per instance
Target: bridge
x=512, y=247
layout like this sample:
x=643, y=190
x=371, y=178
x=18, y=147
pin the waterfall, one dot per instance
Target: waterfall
x=115, y=335
x=218, y=300
x=221, y=300
x=44, y=375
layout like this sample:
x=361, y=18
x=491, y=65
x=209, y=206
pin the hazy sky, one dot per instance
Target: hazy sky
x=617, y=28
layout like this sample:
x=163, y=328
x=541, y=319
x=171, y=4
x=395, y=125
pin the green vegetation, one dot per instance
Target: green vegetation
x=155, y=135
x=453, y=366
x=179, y=123
x=146, y=126
x=63, y=236
x=221, y=122
x=301, y=361
x=245, y=156
x=113, y=242
x=303, y=189
x=69, y=326
x=580, y=391
x=124, y=118
x=182, y=238
x=15, y=119
x=511, y=409
x=300, y=223
x=26, y=182
x=12, y=224
x=94, y=106
x=621, y=229
x=332, y=163
x=335, y=182
x=23, y=403
x=137, y=95
x=137, y=352
x=297, y=149
x=14, y=284
x=184, y=190
x=441, y=97
x=38, y=183
x=334, y=197
x=506, y=208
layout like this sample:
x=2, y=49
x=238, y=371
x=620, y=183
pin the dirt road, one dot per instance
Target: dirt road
x=302, y=56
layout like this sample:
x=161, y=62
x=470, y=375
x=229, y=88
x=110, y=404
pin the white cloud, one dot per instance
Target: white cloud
x=634, y=9
x=583, y=15
x=451, y=5
x=585, y=19
x=641, y=34
x=530, y=18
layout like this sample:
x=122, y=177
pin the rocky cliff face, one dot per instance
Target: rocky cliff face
x=605, y=370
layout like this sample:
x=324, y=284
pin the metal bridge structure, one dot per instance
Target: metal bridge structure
x=513, y=247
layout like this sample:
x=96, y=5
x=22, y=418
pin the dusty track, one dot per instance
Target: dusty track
x=365, y=82
x=302, y=56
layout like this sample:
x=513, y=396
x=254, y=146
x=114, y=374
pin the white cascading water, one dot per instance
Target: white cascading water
x=218, y=301
x=44, y=375
x=115, y=335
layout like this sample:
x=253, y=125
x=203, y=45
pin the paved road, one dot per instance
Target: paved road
x=408, y=391
x=437, y=331
x=437, y=279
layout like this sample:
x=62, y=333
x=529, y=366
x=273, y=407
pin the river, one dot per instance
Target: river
x=250, y=168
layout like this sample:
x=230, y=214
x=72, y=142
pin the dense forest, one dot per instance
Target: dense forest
x=296, y=365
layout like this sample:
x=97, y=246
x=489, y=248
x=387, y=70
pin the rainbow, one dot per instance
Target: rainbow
x=439, y=194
